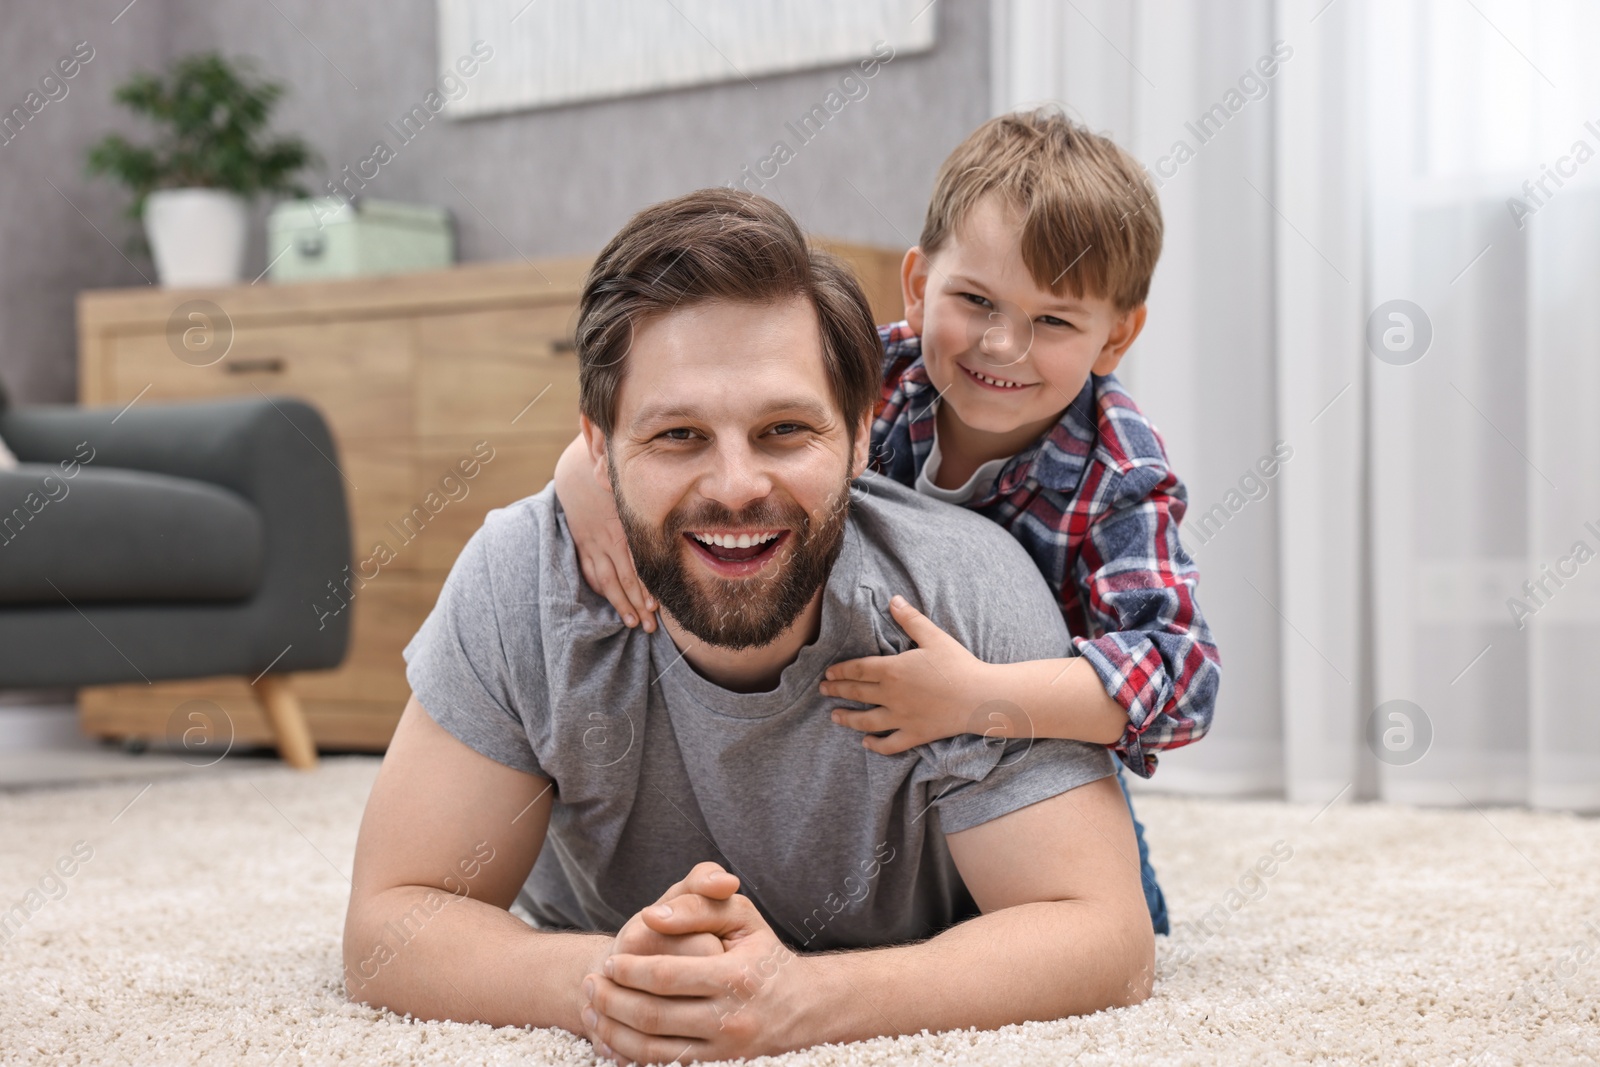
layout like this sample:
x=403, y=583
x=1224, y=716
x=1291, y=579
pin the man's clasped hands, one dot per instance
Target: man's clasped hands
x=697, y=975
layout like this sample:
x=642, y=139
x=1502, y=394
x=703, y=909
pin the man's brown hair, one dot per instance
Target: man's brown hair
x=1090, y=220
x=719, y=244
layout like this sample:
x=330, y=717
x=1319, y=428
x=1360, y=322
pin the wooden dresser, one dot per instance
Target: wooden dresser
x=416, y=375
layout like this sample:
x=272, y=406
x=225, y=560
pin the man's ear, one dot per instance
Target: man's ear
x=914, y=287
x=1123, y=333
x=862, y=447
x=595, y=441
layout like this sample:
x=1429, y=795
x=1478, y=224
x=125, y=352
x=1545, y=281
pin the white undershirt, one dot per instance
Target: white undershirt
x=979, y=483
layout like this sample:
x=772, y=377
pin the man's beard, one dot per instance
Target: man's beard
x=735, y=613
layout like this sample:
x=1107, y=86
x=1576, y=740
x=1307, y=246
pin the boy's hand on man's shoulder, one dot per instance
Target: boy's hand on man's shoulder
x=933, y=691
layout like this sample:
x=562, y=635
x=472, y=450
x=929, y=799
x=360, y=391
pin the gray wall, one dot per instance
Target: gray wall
x=48, y=250
x=550, y=182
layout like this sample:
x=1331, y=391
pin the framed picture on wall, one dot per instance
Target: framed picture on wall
x=544, y=53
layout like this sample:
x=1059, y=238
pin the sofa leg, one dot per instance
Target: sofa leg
x=288, y=721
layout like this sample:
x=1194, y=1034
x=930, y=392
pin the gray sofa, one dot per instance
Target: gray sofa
x=171, y=541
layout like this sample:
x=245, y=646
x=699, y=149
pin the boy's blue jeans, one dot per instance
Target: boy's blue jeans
x=1147, y=875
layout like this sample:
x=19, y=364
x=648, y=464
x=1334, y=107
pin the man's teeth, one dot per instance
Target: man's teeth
x=743, y=540
x=996, y=381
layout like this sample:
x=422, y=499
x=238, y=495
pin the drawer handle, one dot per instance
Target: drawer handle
x=563, y=346
x=265, y=365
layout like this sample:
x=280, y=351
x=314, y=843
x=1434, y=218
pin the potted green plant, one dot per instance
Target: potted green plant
x=210, y=158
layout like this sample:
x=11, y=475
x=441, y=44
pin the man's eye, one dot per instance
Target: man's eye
x=679, y=433
x=786, y=429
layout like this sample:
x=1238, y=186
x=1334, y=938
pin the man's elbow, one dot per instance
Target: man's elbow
x=1130, y=961
x=1137, y=974
x=367, y=952
x=1121, y=968
x=361, y=967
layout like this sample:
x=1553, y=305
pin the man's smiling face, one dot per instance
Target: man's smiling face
x=731, y=463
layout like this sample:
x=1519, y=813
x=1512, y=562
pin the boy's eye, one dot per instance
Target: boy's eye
x=1051, y=320
x=974, y=298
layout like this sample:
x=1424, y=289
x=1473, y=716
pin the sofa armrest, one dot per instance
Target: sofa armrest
x=276, y=452
x=202, y=440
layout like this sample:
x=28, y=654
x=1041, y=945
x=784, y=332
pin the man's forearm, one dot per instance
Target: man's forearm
x=1033, y=961
x=437, y=955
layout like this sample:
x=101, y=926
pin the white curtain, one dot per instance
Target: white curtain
x=1345, y=283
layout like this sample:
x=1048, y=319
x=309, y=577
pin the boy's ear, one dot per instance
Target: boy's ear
x=595, y=441
x=1123, y=333
x=914, y=287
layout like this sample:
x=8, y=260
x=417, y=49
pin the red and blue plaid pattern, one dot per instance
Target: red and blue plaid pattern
x=1096, y=505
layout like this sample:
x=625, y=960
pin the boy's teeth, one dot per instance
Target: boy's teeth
x=996, y=381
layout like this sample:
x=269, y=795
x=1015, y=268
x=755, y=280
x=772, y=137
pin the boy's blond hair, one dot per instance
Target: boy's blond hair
x=1090, y=220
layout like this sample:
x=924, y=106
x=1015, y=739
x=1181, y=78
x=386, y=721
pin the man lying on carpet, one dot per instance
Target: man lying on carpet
x=676, y=808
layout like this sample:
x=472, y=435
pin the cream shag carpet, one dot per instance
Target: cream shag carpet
x=206, y=927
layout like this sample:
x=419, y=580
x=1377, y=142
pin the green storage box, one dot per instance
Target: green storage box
x=328, y=237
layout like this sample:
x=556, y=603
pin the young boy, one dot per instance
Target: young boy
x=1025, y=292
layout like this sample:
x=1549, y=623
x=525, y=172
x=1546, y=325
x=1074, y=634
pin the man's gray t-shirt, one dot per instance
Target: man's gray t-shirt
x=656, y=768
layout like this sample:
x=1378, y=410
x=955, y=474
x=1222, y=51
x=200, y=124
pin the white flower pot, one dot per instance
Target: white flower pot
x=197, y=236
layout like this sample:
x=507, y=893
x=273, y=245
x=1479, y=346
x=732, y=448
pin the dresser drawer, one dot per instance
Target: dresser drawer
x=416, y=502
x=358, y=373
x=521, y=465
x=478, y=372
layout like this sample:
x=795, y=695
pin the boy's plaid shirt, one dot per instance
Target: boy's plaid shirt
x=1095, y=504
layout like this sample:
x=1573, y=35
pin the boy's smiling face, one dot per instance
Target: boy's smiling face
x=1005, y=353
